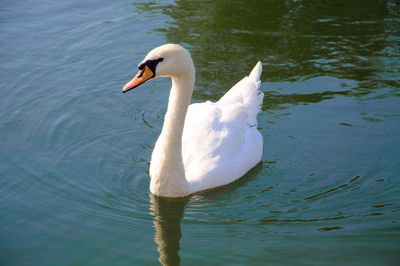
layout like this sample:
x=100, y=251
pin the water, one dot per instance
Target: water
x=74, y=150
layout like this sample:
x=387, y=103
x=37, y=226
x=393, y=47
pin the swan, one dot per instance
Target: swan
x=201, y=145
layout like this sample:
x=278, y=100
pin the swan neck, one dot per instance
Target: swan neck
x=179, y=100
x=167, y=169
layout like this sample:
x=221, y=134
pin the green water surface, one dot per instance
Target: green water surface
x=75, y=151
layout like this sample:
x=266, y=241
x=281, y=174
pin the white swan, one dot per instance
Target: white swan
x=204, y=145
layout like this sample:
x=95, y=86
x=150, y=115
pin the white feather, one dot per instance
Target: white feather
x=204, y=145
x=220, y=140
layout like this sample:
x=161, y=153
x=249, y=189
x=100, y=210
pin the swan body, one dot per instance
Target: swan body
x=202, y=145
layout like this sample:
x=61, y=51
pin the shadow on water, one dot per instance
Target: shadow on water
x=168, y=214
x=295, y=40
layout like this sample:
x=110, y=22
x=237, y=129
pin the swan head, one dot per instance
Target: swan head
x=164, y=61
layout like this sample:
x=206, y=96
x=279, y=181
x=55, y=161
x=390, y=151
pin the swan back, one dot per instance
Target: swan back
x=221, y=141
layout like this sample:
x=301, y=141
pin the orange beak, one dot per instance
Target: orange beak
x=143, y=75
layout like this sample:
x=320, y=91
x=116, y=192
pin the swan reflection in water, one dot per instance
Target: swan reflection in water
x=168, y=213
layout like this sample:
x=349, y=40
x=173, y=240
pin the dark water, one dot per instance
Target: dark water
x=74, y=150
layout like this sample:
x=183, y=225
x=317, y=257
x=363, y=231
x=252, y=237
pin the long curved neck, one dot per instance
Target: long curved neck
x=166, y=169
x=179, y=100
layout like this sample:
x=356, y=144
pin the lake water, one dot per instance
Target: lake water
x=75, y=151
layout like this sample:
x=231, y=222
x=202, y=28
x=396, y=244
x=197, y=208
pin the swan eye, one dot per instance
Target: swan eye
x=152, y=64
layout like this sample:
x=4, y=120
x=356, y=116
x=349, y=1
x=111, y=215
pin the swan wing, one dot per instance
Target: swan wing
x=220, y=140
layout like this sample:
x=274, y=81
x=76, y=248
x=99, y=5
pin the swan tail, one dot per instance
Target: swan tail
x=254, y=99
x=255, y=74
x=246, y=93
